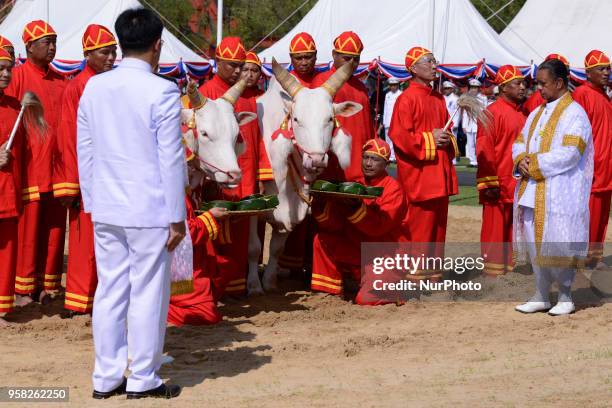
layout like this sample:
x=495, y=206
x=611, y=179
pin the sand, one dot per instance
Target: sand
x=299, y=349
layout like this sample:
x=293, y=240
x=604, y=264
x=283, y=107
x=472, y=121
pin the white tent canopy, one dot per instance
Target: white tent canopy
x=388, y=28
x=569, y=27
x=69, y=18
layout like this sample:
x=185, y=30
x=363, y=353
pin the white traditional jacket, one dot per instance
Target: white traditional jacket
x=130, y=155
x=561, y=173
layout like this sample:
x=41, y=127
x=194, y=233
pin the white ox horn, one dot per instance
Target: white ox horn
x=338, y=79
x=232, y=94
x=291, y=85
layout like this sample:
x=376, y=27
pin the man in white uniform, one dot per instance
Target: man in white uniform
x=390, y=98
x=470, y=128
x=449, y=90
x=132, y=177
x=553, y=157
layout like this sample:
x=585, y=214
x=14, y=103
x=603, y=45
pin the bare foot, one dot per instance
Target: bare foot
x=22, y=300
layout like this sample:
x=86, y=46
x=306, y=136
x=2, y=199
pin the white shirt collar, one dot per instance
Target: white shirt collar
x=135, y=63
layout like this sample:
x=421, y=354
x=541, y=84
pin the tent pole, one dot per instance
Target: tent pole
x=219, y=21
x=377, y=96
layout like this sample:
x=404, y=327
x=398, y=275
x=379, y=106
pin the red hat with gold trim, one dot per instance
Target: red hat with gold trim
x=414, y=54
x=348, y=43
x=252, y=58
x=37, y=29
x=4, y=42
x=302, y=43
x=596, y=58
x=97, y=36
x=559, y=57
x=4, y=55
x=377, y=146
x=231, y=49
x=507, y=73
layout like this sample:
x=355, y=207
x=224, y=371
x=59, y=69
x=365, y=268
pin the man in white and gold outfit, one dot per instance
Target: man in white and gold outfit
x=553, y=157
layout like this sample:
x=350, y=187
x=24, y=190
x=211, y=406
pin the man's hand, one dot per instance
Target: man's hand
x=219, y=213
x=441, y=138
x=492, y=193
x=192, y=87
x=523, y=167
x=5, y=156
x=67, y=202
x=352, y=203
x=177, y=233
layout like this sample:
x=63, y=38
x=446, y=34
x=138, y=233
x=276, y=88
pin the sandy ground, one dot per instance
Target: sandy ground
x=302, y=349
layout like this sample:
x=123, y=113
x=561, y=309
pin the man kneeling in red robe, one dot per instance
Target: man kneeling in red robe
x=345, y=223
x=198, y=307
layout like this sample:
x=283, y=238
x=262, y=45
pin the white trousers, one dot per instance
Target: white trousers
x=392, y=156
x=546, y=276
x=130, y=305
x=470, y=147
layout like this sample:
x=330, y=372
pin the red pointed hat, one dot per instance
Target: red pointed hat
x=4, y=55
x=348, y=43
x=507, y=73
x=4, y=42
x=231, y=49
x=377, y=146
x=97, y=36
x=252, y=58
x=301, y=43
x=37, y=29
x=557, y=57
x=414, y=54
x=596, y=58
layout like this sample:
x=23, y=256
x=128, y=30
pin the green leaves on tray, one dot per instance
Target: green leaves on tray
x=346, y=187
x=253, y=202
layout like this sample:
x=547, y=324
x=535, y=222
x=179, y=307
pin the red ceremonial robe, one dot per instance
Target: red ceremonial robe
x=598, y=107
x=198, y=307
x=42, y=225
x=337, y=244
x=427, y=174
x=494, y=155
x=232, y=247
x=359, y=126
x=533, y=102
x=10, y=200
x=81, y=277
x=299, y=240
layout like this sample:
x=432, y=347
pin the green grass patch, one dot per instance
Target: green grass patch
x=468, y=195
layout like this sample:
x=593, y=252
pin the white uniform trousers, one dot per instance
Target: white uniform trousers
x=130, y=305
x=470, y=147
x=545, y=276
x=388, y=140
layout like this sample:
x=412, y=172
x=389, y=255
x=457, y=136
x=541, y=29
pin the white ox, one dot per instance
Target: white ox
x=214, y=129
x=297, y=161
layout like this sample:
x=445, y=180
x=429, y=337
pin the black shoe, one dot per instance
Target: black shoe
x=120, y=390
x=69, y=314
x=163, y=391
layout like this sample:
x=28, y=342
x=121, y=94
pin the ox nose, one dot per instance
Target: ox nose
x=319, y=159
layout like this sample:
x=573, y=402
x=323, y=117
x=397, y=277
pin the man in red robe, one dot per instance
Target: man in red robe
x=424, y=153
x=346, y=223
x=231, y=248
x=8, y=46
x=100, y=50
x=593, y=98
x=494, y=178
x=303, y=55
x=198, y=307
x=11, y=169
x=347, y=50
x=536, y=100
x=42, y=224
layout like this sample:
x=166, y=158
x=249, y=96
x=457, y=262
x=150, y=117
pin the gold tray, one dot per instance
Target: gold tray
x=339, y=194
x=243, y=212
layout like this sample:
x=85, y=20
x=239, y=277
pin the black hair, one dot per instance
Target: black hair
x=557, y=69
x=138, y=29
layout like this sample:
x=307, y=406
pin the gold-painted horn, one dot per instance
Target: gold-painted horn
x=235, y=91
x=196, y=99
x=291, y=85
x=338, y=79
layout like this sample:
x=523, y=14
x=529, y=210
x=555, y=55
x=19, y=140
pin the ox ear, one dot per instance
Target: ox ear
x=245, y=117
x=287, y=100
x=186, y=115
x=341, y=147
x=346, y=109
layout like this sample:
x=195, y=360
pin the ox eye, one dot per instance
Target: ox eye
x=296, y=120
x=331, y=119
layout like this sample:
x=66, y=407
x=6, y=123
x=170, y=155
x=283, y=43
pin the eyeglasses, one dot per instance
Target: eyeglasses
x=430, y=61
